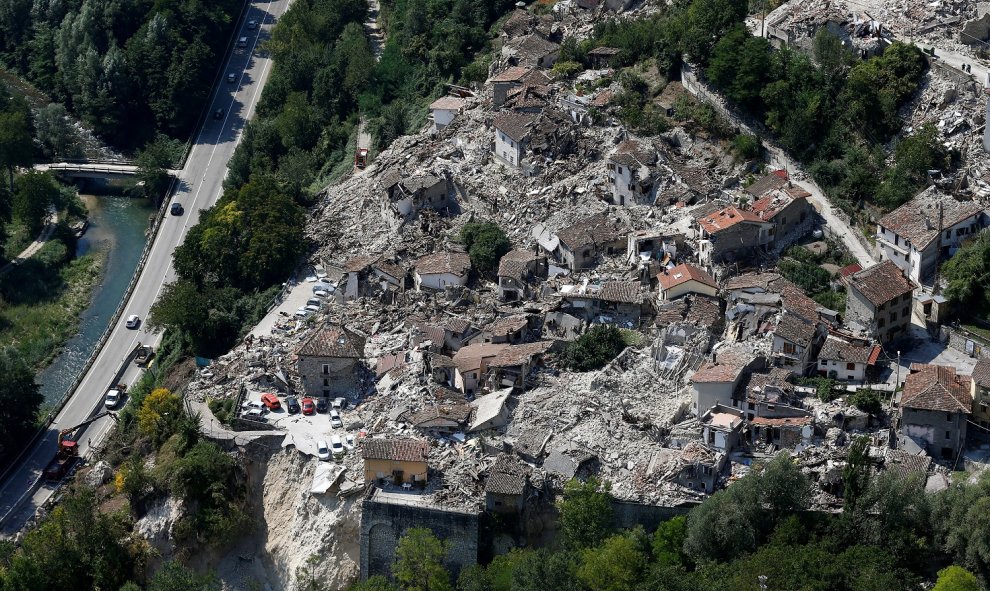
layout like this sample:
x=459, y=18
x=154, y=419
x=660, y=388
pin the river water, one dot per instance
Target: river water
x=117, y=224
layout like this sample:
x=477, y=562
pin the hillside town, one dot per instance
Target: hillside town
x=427, y=381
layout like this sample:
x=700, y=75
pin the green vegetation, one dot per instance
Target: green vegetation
x=419, y=562
x=867, y=400
x=825, y=387
x=803, y=268
x=594, y=349
x=967, y=276
x=486, y=244
x=893, y=536
x=129, y=69
x=20, y=399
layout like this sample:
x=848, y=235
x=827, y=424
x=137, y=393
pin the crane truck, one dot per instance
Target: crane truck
x=68, y=448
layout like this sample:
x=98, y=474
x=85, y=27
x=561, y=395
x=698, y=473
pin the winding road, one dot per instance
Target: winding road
x=199, y=186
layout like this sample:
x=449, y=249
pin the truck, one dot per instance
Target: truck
x=361, y=158
x=68, y=449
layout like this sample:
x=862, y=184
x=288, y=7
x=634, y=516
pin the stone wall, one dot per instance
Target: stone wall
x=383, y=522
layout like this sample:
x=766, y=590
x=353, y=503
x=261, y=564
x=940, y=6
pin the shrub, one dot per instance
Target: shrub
x=594, y=349
x=486, y=244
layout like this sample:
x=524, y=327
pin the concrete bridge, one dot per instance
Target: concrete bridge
x=94, y=169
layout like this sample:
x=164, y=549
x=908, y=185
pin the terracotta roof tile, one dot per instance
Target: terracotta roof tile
x=795, y=329
x=766, y=183
x=839, y=349
x=448, y=103
x=936, y=388
x=596, y=229
x=333, y=341
x=682, y=274
x=917, y=220
x=515, y=263
x=455, y=263
x=981, y=373
x=512, y=74
x=399, y=450
x=470, y=358
x=726, y=218
x=514, y=124
x=881, y=283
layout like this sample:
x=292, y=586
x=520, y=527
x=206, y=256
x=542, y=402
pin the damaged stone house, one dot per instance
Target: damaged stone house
x=579, y=245
x=441, y=270
x=980, y=392
x=397, y=461
x=512, y=365
x=695, y=466
x=789, y=211
x=879, y=301
x=632, y=173
x=795, y=342
x=471, y=365
x=329, y=362
x=935, y=406
x=910, y=235
x=410, y=194
x=444, y=109
x=684, y=279
x=506, y=485
x=518, y=270
x=611, y=302
x=732, y=235
x=533, y=50
x=721, y=427
x=512, y=136
x=717, y=379
x=512, y=78
x=444, y=334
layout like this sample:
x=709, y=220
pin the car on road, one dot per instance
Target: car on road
x=271, y=401
x=336, y=445
x=335, y=421
x=322, y=450
x=112, y=399
x=340, y=403
x=252, y=24
x=292, y=405
x=349, y=441
x=133, y=321
x=311, y=278
x=231, y=77
x=321, y=405
x=308, y=406
x=176, y=209
x=313, y=304
x=321, y=293
x=302, y=312
x=242, y=42
x=218, y=114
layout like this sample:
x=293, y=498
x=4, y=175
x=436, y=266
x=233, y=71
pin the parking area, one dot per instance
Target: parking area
x=292, y=310
x=306, y=421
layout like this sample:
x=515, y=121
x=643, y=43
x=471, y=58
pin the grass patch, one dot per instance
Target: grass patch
x=42, y=301
x=632, y=338
x=18, y=238
x=977, y=330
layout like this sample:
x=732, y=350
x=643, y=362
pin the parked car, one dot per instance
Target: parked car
x=336, y=445
x=323, y=286
x=302, y=312
x=242, y=42
x=292, y=405
x=252, y=24
x=113, y=398
x=249, y=404
x=231, y=77
x=176, y=209
x=133, y=321
x=308, y=406
x=335, y=421
x=271, y=401
x=320, y=293
x=340, y=403
x=255, y=414
x=349, y=441
x=321, y=405
x=322, y=450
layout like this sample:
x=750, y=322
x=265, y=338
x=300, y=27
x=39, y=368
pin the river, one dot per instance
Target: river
x=119, y=225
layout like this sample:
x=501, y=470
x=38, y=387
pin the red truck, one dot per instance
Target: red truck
x=68, y=449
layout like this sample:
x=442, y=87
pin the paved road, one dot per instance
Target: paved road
x=33, y=248
x=200, y=184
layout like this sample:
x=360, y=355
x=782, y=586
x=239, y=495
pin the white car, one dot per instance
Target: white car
x=321, y=293
x=249, y=404
x=313, y=305
x=302, y=312
x=336, y=445
x=339, y=403
x=113, y=398
x=252, y=24
x=335, y=421
x=323, y=286
x=349, y=441
x=255, y=414
x=311, y=279
x=132, y=321
x=322, y=450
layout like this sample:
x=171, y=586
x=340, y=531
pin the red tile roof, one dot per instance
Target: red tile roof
x=881, y=283
x=936, y=388
x=333, y=341
x=455, y=263
x=726, y=218
x=682, y=274
x=398, y=450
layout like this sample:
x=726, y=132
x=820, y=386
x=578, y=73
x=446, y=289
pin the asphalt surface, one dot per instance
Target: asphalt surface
x=199, y=187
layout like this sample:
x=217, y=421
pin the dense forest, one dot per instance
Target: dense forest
x=130, y=69
x=756, y=535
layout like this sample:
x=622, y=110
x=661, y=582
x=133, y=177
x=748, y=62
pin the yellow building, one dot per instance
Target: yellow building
x=395, y=460
x=980, y=390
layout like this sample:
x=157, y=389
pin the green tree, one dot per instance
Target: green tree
x=956, y=578
x=55, y=133
x=856, y=473
x=375, y=583
x=307, y=578
x=616, y=565
x=585, y=513
x=20, y=399
x=419, y=562
x=16, y=144
x=486, y=244
x=967, y=276
x=35, y=193
x=668, y=542
x=594, y=349
x=172, y=576
x=154, y=162
x=867, y=400
x=740, y=66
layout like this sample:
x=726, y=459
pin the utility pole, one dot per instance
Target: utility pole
x=897, y=380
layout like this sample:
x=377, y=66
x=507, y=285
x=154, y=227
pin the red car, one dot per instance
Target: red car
x=271, y=401
x=308, y=406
